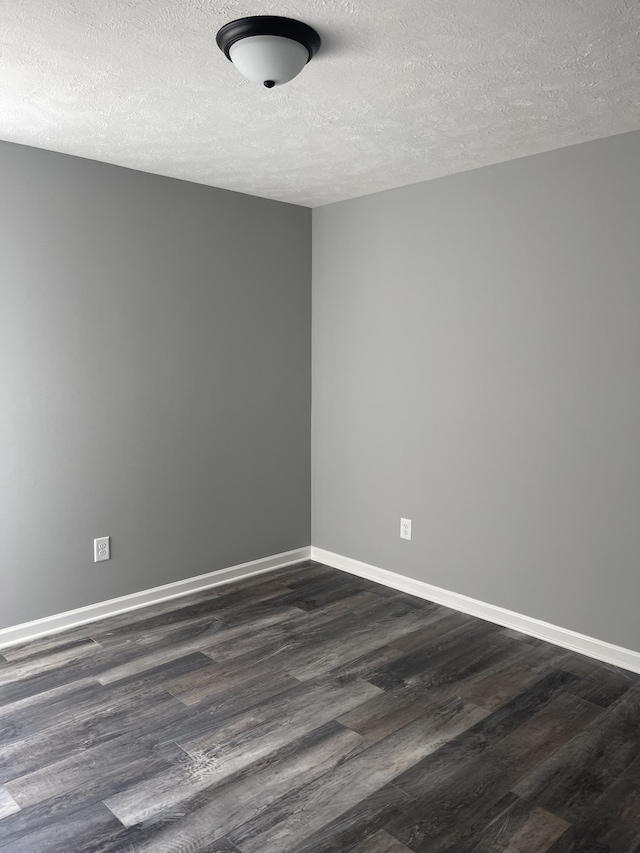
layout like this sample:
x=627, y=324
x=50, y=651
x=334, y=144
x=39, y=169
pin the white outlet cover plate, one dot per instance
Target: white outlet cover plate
x=101, y=549
x=405, y=528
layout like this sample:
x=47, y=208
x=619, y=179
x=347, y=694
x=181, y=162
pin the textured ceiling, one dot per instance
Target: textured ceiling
x=399, y=92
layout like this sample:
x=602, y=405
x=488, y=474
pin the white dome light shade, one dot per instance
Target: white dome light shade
x=267, y=49
x=269, y=59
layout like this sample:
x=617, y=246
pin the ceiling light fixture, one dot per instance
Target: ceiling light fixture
x=267, y=49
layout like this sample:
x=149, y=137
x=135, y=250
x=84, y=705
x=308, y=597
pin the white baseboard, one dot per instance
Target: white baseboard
x=80, y=616
x=584, y=645
x=581, y=643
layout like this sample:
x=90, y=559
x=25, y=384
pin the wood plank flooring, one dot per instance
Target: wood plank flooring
x=309, y=711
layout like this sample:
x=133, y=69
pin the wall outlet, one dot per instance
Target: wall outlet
x=101, y=549
x=405, y=528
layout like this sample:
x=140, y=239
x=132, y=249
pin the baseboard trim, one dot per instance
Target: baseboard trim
x=593, y=648
x=72, y=618
x=564, y=637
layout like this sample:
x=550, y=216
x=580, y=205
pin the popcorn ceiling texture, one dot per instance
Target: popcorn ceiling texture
x=399, y=93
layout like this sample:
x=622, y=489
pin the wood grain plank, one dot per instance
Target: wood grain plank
x=358, y=824
x=461, y=789
x=288, y=823
x=228, y=689
x=104, y=761
x=49, y=811
x=572, y=779
x=245, y=740
x=460, y=655
x=604, y=686
x=74, y=832
x=628, y=705
x=521, y=828
x=219, y=608
x=611, y=826
x=49, y=657
x=495, y=727
x=8, y=805
x=305, y=628
x=209, y=808
x=513, y=674
x=380, y=842
x=382, y=715
x=101, y=721
x=435, y=630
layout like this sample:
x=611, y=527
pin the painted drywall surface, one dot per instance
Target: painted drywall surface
x=397, y=93
x=476, y=368
x=155, y=375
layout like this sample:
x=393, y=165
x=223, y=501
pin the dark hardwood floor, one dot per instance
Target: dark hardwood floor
x=313, y=712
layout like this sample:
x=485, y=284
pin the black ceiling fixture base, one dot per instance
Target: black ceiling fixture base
x=267, y=25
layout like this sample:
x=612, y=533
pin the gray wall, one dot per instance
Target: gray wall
x=476, y=352
x=155, y=380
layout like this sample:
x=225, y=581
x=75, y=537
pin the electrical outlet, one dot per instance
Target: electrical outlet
x=101, y=549
x=405, y=528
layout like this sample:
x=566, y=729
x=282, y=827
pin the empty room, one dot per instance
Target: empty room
x=319, y=427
